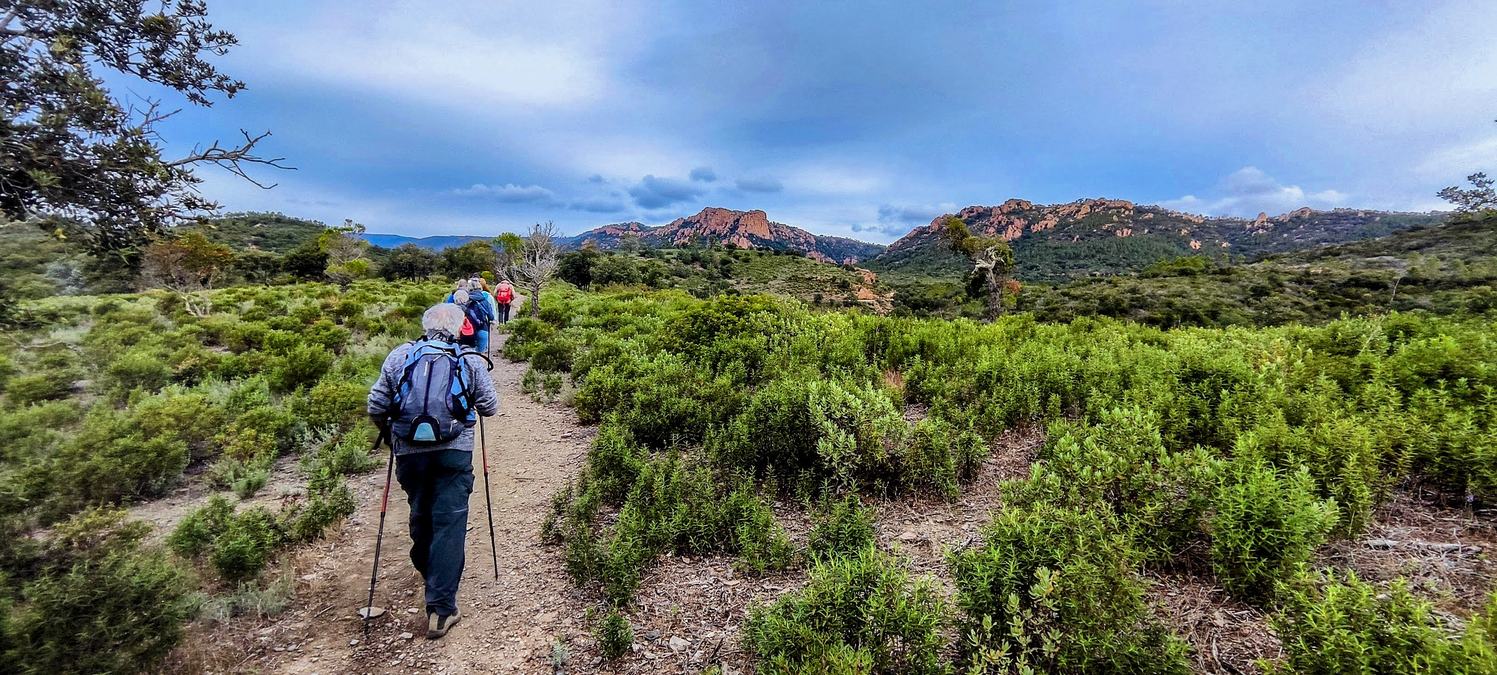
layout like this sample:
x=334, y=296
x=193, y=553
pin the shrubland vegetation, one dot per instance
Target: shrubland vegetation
x=114, y=400
x=1231, y=453
x=1444, y=268
x=712, y=270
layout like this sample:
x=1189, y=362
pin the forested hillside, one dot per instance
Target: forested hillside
x=1100, y=237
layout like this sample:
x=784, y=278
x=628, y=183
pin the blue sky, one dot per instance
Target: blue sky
x=857, y=119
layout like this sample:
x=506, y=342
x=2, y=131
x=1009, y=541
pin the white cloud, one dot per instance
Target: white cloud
x=462, y=54
x=1452, y=162
x=1248, y=191
x=1431, y=77
x=509, y=192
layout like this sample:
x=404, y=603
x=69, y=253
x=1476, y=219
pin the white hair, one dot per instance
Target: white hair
x=461, y=296
x=445, y=319
x=462, y=284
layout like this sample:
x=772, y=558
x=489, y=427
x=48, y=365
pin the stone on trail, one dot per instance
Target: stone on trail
x=371, y=612
x=677, y=644
x=407, y=636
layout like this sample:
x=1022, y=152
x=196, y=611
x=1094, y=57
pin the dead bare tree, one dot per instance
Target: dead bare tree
x=531, y=261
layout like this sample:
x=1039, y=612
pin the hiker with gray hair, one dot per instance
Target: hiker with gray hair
x=426, y=402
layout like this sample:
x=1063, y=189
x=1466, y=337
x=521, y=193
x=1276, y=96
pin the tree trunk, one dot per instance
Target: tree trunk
x=994, y=286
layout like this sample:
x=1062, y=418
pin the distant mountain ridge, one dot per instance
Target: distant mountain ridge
x=1106, y=236
x=435, y=243
x=739, y=229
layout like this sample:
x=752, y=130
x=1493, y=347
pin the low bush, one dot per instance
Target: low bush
x=32, y=388
x=109, y=461
x=237, y=544
x=142, y=368
x=195, y=533
x=301, y=367
x=97, y=602
x=614, y=462
x=1120, y=464
x=335, y=404
x=814, y=431
x=188, y=415
x=1334, y=625
x=1266, y=523
x=1059, y=572
x=346, y=455
x=613, y=634
x=246, y=543
x=661, y=399
x=939, y=457
x=862, y=609
x=328, y=501
x=843, y=527
x=244, y=477
x=760, y=542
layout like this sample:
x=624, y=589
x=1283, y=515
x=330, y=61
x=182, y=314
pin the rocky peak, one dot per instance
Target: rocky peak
x=719, y=222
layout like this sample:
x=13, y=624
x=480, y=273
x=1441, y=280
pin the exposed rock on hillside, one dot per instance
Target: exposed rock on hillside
x=740, y=229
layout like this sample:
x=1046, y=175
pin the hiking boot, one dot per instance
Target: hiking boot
x=437, y=626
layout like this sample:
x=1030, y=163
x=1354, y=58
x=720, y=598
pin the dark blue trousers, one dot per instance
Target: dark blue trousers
x=437, y=484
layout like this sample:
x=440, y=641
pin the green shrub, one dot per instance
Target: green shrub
x=36, y=387
x=188, y=415
x=760, y=541
x=275, y=423
x=8, y=370
x=110, y=460
x=238, y=545
x=98, y=602
x=844, y=527
x=938, y=457
x=1266, y=524
x=328, y=501
x=246, y=544
x=301, y=367
x=1120, y=464
x=613, y=634
x=614, y=462
x=1073, y=570
x=347, y=455
x=814, y=430
x=196, y=532
x=865, y=603
x=335, y=404
x=245, y=478
x=1331, y=625
x=525, y=336
x=325, y=333
x=142, y=368
x=660, y=398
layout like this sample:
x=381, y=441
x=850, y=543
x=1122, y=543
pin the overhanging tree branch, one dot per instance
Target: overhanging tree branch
x=233, y=159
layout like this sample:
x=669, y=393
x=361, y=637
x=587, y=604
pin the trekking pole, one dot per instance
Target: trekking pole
x=493, y=547
x=379, y=537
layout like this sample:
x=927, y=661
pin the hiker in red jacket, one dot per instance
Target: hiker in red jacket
x=504, y=294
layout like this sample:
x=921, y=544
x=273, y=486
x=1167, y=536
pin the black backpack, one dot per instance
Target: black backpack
x=431, y=403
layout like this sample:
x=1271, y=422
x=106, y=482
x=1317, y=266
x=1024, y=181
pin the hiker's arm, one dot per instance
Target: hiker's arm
x=485, y=394
x=382, y=395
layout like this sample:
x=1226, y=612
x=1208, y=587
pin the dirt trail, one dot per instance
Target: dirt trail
x=508, y=626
